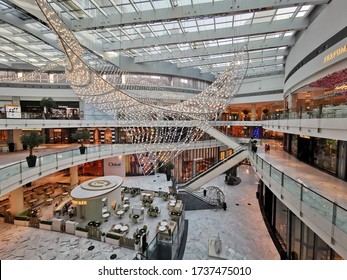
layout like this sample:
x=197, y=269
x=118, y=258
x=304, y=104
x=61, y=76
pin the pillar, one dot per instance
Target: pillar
x=253, y=112
x=73, y=176
x=17, y=201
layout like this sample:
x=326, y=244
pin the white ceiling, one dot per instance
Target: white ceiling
x=200, y=34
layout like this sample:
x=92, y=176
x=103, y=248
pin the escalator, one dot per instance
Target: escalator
x=238, y=156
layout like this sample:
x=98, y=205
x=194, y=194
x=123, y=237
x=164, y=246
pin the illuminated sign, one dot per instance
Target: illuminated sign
x=335, y=53
x=79, y=202
x=341, y=88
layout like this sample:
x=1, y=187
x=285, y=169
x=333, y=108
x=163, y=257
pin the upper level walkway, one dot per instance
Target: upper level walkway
x=319, y=199
x=326, y=185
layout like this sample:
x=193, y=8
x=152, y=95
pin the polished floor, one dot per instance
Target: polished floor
x=327, y=185
x=240, y=227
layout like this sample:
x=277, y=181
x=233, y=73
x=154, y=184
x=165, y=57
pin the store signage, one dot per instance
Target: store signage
x=79, y=202
x=335, y=53
x=341, y=88
x=13, y=111
x=114, y=164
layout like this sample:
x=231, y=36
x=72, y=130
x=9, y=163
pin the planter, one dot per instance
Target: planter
x=168, y=176
x=112, y=241
x=82, y=150
x=45, y=226
x=80, y=233
x=31, y=160
x=21, y=223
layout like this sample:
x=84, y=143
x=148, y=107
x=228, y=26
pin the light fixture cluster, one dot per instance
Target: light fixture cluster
x=88, y=80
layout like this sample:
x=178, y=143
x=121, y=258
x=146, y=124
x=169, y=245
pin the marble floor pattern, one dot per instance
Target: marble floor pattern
x=240, y=227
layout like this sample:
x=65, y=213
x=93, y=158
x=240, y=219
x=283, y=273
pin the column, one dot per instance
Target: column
x=17, y=201
x=73, y=176
x=253, y=112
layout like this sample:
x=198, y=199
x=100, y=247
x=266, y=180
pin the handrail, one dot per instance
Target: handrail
x=324, y=207
x=16, y=174
x=237, y=151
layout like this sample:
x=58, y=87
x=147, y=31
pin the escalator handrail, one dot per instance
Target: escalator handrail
x=237, y=151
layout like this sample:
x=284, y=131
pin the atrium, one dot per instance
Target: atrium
x=129, y=127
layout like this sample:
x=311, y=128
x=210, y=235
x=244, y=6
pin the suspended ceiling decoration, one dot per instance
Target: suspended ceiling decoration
x=190, y=35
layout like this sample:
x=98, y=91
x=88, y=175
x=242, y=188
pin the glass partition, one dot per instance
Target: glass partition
x=318, y=203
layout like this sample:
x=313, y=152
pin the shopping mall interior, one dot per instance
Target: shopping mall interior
x=173, y=130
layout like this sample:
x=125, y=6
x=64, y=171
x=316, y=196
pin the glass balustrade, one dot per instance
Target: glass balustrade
x=320, y=206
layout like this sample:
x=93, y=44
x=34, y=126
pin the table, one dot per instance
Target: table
x=32, y=201
x=124, y=229
x=164, y=224
x=162, y=228
x=172, y=204
x=106, y=214
x=126, y=206
x=172, y=201
x=120, y=213
x=49, y=201
x=117, y=227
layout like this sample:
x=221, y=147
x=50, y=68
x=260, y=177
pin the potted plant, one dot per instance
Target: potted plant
x=47, y=103
x=81, y=232
x=265, y=111
x=81, y=136
x=245, y=111
x=168, y=167
x=112, y=238
x=31, y=140
x=46, y=224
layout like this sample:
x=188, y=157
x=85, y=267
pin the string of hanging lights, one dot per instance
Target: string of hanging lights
x=88, y=79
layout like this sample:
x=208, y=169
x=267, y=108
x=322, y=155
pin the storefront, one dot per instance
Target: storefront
x=293, y=239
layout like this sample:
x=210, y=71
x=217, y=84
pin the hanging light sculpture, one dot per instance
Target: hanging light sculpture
x=152, y=120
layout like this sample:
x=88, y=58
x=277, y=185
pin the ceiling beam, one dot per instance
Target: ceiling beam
x=206, y=61
x=183, y=12
x=254, y=45
x=17, y=22
x=250, y=66
x=222, y=33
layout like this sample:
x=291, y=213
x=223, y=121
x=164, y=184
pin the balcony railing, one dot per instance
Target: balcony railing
x=327, y=215
x=14, y=175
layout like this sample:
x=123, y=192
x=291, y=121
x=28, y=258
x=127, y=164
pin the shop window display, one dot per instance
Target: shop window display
x=325, y=154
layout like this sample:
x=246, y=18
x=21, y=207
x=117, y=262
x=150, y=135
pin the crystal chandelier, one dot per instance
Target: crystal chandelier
x=87, y=79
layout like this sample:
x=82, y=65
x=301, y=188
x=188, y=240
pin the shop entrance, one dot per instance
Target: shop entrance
x=304, y=149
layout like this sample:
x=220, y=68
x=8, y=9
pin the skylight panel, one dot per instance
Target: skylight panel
x=289, y=10
x=284, y=16
x=305, y=8
x=205, y=21
x=224, y=25
x=273, y=36
x=188, y=23
x=224, y=19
